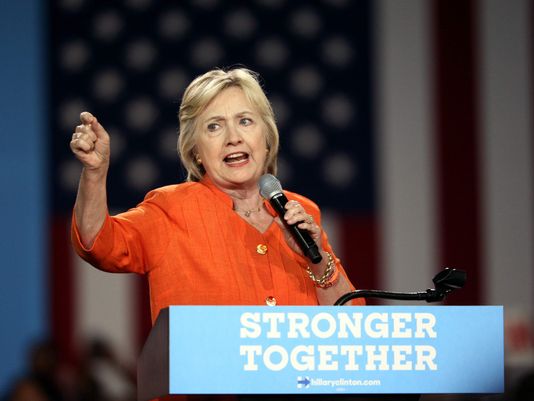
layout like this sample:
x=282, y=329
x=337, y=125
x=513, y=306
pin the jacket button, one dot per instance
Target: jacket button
x=270, y=301
x=261, y=249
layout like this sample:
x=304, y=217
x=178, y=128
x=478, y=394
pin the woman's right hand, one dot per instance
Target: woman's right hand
x=90, y=143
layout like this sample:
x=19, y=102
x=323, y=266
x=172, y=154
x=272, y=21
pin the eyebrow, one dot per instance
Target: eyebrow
x=219, y=118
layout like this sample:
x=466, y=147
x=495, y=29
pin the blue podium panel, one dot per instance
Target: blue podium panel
x=358, y=350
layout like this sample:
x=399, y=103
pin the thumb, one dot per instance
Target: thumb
x=98, y=129
x=280, y=223
x=86, y=118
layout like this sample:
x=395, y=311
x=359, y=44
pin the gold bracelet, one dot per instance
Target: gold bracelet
x=332, y=279
x=324, y=281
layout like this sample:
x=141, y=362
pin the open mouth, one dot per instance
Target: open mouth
x=236, y=159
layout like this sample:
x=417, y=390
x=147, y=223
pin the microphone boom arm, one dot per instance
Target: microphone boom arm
x=445, y=281
x=428, y=296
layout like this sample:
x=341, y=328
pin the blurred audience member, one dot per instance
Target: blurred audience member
x=28, y=390
x=98, y=376
x=40, y=382
x=44, y=368
x=524, y=390
x=103, y=377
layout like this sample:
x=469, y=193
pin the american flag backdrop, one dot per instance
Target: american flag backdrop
x=409, y=123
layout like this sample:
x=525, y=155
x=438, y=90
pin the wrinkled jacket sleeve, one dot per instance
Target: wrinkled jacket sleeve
x=130, y=242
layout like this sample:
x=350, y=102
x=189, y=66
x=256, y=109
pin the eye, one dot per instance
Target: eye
x=245, y=121
x=213, y=127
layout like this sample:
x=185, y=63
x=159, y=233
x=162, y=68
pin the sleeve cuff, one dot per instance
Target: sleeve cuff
x=102, y=244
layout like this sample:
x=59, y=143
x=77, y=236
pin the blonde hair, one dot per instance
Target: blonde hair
x=201, y=92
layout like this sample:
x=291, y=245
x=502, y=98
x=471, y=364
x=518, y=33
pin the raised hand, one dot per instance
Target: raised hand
x=90, y=143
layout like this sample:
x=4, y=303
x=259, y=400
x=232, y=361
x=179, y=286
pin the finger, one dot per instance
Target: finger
x=86, y=118
x=91, y=121
x=309, y=224
x=77, y=134
x=313, y=229
x=292, y=204
x=297, y=217
x=83, y=129
x=81, y=145
x=308, y=219
x=292, y=212
x=88, y=136
x=293, y=207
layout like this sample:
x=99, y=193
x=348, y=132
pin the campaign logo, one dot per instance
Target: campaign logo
x=303, y=382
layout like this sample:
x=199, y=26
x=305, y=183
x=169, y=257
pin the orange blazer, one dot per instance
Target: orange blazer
x=196, y=250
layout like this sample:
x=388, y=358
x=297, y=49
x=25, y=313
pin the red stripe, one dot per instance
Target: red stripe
x=62, y=299
x=141, y=311
x=359, y=251
x=457, y=140
x=531, y=35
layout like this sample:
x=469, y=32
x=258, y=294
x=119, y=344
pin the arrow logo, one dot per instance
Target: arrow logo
x=303, y=382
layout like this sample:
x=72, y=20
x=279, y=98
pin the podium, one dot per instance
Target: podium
x=323, y=350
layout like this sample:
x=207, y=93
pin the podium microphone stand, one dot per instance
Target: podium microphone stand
x=445, y=282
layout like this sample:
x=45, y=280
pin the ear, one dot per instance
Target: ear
x=195, y=155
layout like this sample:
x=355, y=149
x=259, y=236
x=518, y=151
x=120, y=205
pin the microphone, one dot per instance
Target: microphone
x=271, y=190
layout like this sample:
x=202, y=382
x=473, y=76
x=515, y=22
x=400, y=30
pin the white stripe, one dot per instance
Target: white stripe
x=507, y=152
x=405, y=146
x=104, y=308
x=332, y=227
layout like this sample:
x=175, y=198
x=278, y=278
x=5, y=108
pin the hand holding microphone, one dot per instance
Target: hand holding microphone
x=304, y=233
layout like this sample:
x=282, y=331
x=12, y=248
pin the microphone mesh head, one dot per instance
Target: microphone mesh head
x=269, y=186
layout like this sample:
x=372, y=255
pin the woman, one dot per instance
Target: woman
x=211, y=240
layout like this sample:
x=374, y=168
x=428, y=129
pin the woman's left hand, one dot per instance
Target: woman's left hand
x=295, y=214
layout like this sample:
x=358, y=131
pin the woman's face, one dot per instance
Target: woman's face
x=231, y=140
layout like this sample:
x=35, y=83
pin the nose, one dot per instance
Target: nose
x=233, y=135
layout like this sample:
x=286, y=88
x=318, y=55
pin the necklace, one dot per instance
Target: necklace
x=249, y=211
